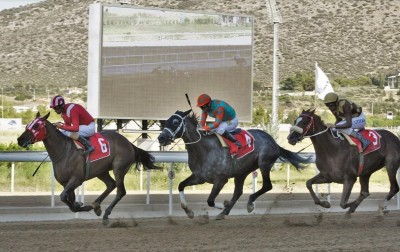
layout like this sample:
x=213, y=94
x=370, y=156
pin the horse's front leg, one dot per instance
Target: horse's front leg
x=347, y=187
x=228, y=205
x=364, y=193
x=110, y=186
x=68, y=196
x=318, y=179
x=191, y=180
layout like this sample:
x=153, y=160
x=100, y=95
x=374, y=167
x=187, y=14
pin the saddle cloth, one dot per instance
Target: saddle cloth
x=371, y=135
x=244, y=137
x=100, y=144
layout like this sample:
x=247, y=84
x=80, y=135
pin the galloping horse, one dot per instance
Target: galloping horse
x=341, y=163
x=69, y=163
x=212, y=163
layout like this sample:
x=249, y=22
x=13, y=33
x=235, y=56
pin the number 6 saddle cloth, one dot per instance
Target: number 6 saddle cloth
x=101, y=147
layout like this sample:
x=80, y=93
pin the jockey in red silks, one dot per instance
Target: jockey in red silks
x=78, y=123
x=224, y=114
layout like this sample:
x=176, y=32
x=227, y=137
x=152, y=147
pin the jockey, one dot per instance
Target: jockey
x=78, y=123
x=349, y=117
x=225, y=117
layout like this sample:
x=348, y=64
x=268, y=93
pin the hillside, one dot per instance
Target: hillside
x=45, y=44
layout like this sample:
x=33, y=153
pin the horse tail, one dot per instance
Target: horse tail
x=294, y=158
x=145, y=158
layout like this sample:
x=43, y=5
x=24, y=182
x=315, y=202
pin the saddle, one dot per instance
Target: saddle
x=369, y=134
x=244, y=137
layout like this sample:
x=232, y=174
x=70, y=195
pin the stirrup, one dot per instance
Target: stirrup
x=89, y=150
x=238, y=144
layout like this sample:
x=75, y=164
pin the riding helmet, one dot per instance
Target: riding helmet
x=203, y=100
x=57, y=100
x=331, y=97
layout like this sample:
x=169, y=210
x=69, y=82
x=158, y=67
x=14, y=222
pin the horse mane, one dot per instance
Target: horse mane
x=193, y=118
x=317, y=118
x=53, y=128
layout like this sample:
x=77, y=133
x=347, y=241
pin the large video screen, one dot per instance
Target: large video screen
x=142, y=61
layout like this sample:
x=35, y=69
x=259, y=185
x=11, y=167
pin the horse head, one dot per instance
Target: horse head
x=303, y=126
x=174, y=128
x=34, y=132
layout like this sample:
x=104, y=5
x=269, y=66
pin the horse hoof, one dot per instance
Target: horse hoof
x=347, y=215
x=96, y=208
x=190, y=213
x=97, y=211
x=325, y=204
x=78, y=205
x=250, y=207
x=220, y=217
x=105, y=222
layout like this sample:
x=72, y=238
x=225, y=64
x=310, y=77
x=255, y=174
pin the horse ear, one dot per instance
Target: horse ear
x=38, y=114
x=312, y=111
x=46, y=116
x=187, y=112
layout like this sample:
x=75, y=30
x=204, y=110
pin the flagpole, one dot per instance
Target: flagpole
x=315, y=86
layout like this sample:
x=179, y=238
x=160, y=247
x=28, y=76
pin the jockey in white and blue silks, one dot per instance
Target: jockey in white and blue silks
x=224, y=114
x=349, y=117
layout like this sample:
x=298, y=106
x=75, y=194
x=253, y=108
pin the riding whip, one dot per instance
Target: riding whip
x=188, y=100
x=39, y=166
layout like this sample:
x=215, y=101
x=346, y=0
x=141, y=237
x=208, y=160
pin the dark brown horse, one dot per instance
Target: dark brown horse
x=339, y=162
x=69, y=163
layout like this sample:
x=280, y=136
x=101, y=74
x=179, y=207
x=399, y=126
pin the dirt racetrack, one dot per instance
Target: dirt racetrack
x=301, y=232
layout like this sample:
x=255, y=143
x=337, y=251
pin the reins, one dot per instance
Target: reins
x=53, y=161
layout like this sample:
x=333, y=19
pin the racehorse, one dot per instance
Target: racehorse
x=69, y=163
x=342, y=163
x=210, y=162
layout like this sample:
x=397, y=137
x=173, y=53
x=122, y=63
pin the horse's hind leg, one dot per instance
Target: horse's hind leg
x=121, y=192
x=228, y=205
x=394, y=187
x=266, y=186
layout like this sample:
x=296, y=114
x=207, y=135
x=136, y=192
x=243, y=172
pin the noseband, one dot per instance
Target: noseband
x=303, y=132
x=183, y=127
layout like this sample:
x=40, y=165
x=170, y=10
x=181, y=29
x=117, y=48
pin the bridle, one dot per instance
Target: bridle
x=37, y=129
x=181, y=127
x=311, y=124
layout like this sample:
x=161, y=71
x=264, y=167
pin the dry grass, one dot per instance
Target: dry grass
x=45, y=44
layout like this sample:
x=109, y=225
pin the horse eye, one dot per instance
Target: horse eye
x=36, y=126
x=175, y=122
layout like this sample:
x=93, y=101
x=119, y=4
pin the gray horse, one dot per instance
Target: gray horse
x=69, y=163
x=211, y=163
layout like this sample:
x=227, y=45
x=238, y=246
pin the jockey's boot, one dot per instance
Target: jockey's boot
x=231, y=138
x=364, y=142
x=86, y=143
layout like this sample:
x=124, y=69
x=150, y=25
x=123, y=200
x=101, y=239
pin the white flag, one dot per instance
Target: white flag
x=322, y=84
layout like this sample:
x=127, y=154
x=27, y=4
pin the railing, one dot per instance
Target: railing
x=160, y=157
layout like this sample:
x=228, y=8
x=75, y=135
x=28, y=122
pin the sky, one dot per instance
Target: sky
x=6, y=4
